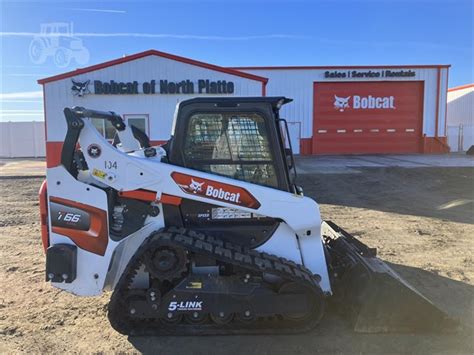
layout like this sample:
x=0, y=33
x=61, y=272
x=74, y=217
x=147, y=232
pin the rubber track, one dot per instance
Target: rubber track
x=226, y=252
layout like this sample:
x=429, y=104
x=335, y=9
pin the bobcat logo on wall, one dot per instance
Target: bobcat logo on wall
x=215, y=190
x=80, y=89
x=341, y=103
x=364, y=102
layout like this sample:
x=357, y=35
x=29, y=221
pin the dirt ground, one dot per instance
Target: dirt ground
x=421, y=221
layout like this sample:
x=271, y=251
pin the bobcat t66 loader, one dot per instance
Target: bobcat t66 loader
x=209, y=234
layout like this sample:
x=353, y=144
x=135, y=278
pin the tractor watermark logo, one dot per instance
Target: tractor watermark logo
x=80, y=89
x=364, y=102
x=341, y=103
x=56, y=40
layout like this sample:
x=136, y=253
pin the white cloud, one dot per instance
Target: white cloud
x=100, y=10
x=161, y=35
x=24, y=95
x=21, y=66
x=27, y=74
x=326, y=41
x=399, y=44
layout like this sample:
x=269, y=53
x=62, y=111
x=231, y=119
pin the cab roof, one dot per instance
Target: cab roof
x=275, y=101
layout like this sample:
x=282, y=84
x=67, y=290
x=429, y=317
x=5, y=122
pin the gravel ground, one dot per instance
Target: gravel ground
x=421, y=221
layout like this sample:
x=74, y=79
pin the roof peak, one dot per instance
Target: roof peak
x=151, y=52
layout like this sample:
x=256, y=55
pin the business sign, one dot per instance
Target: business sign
x=368, y=74
x=163, y=87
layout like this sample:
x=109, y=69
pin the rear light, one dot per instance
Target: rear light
x=43, y=202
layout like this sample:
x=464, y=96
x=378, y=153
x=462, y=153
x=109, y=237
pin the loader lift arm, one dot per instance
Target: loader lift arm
x=74, y=118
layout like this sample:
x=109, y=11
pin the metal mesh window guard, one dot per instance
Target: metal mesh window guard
x=231, y=144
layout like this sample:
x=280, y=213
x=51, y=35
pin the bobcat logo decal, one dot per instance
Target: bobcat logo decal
x=193, y=187
x=215, y=190
x=80, y=89
x=94, y=150
x=341, y=103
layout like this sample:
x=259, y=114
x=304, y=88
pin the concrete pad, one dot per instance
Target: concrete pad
x=22, y=167
x=346, y=164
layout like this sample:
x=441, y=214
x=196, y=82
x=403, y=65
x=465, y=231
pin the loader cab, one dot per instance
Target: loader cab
x=240, y=137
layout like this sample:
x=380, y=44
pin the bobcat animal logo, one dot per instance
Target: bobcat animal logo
x=196, y=186
x=341, y=103
x=193, y=187
x=80, y=89
x=94, y=151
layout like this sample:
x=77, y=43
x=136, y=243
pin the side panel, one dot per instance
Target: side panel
x=94, y=256
x=284, y=244
x=91, y=267
x=127, y=172
x=460, y=118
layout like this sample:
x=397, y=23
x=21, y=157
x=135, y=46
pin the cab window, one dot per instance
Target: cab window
x=230, y=144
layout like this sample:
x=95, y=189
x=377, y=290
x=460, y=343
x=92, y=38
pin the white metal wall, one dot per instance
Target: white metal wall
x=461, y=119
x=298, y=85
x=22, y=139
x=160, y=107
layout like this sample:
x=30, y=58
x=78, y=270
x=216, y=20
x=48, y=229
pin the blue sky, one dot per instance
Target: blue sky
x=234, y=33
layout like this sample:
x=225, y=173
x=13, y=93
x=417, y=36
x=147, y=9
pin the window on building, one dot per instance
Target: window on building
x=139, y=121
x=106, y=129
x=231, y=144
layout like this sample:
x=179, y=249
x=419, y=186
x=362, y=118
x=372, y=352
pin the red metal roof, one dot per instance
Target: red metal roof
x=301, y=67
x=461, y=87
x=148, y=53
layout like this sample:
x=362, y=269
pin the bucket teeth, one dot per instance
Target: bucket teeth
x=377, y=298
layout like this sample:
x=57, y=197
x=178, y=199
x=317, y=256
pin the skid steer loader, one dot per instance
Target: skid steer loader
x=209, y=233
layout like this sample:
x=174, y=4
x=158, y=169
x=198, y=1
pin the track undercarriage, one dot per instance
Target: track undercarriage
x=242, y=292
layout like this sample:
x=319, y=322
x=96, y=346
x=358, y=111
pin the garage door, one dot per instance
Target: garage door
x=367, y=117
